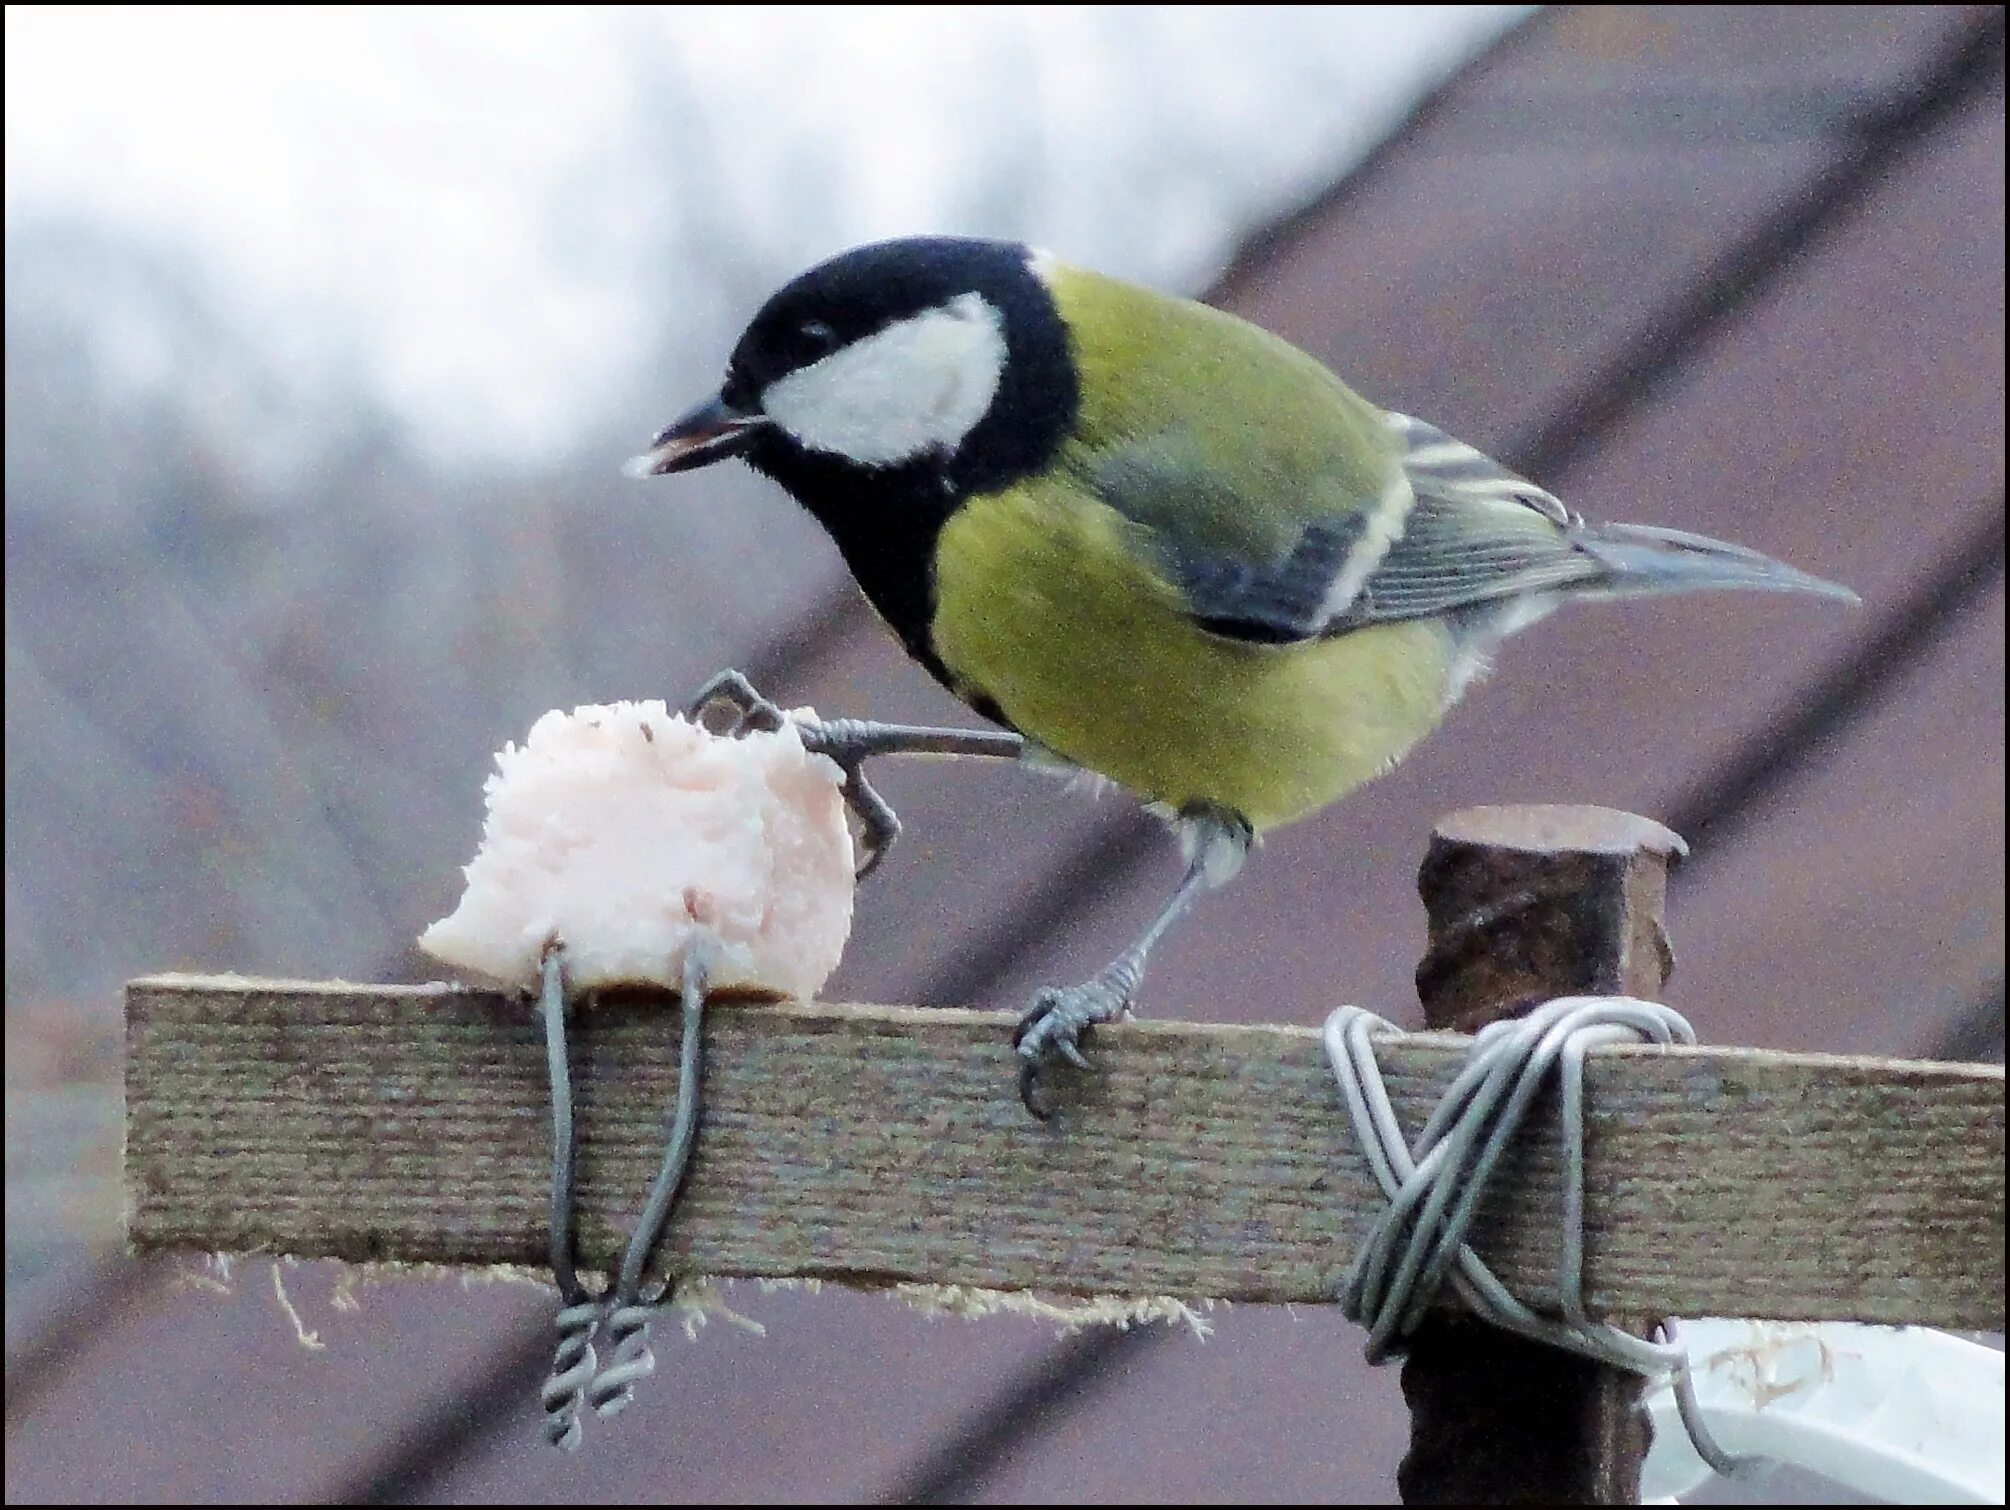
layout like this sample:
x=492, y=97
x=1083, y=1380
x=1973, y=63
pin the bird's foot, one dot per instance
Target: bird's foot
x=1061, y=1017
x=846, y=741
x=752, y=712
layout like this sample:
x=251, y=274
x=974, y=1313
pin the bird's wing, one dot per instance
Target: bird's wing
x=1261, y=568
x=1476, y=534
x=1448, y=528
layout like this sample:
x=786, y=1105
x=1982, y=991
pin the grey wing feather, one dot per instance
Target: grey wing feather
x=1477, y=534
x=1276, y=602
x=1239, y=573
x=1478, y=545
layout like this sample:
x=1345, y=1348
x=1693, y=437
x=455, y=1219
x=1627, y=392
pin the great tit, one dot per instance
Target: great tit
x=1150, y=539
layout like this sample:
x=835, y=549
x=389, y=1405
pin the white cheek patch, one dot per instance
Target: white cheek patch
x=919, y=385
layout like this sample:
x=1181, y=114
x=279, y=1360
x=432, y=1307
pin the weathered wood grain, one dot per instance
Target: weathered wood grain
x=883, y=1144
x=1527, y=904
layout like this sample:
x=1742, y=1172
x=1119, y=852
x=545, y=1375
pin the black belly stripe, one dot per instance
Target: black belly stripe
x=885, y=523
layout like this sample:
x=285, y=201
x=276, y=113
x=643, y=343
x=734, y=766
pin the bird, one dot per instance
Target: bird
x=1145, y=539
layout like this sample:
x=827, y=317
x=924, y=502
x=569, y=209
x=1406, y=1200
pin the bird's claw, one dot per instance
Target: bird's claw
x=1056, y=1025
x=875, y=815
x=752, y=713
x=756, y=714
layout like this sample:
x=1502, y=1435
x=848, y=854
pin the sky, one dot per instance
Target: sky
x=498, y=216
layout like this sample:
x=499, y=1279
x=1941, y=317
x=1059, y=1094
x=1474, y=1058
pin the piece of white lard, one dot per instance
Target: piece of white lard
x=629, y=833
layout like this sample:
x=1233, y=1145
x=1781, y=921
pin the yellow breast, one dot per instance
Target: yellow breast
x=1044, y=606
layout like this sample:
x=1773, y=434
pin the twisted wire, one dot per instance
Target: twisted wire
x=573, y=1364
x=612, y=1389
x=574, y=1361
x=1417, y=1244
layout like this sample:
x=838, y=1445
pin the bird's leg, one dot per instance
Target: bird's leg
x=574, y=1362
x=851, y=742
x=1060, y=1016
x=614, y=1386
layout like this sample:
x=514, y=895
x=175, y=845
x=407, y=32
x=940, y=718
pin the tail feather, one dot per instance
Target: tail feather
x=1641, y=559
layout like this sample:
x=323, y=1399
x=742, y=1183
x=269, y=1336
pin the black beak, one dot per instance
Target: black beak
x=711, y=432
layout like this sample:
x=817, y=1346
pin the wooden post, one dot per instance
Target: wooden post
x=1527, y=904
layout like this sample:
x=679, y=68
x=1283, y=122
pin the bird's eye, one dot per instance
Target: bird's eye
x=814, y=339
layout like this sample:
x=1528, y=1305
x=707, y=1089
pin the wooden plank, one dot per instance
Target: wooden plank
x=886, y=1144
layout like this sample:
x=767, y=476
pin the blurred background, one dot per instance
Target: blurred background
x=326, y=333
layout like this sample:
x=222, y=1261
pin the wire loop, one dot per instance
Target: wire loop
x=577, y=1377
x=1435, y=1188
